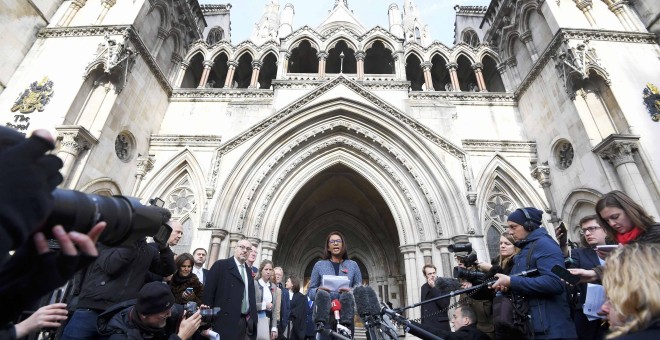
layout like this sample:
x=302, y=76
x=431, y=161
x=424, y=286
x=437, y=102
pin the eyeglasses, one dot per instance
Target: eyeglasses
x=335, y=242
x=245, y=248
x=589, y=229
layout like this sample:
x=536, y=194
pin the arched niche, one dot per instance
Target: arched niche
x=268, y=71
x=414, y=72
x=149, y=25
x=467, y=80
x=216, y=35
x=440, y=74
x=470, y=37
x=523, y=58
x=378, y=59
x=303, y=59
x=333, y=63
x=219, y=71
x=492, y=76
x=243, y=71
x=541, y=33
x=594, y=98
x=194, y=72
x=164, y=57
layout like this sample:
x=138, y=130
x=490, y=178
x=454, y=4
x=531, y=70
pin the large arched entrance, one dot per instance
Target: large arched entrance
x=340, y=199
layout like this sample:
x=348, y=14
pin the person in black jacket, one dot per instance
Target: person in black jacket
x=116, y=275
x=464, y=321
x=154, y=315
x=298, y=310
x=434, y=314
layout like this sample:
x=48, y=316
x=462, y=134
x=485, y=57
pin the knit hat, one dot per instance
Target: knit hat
x=154, y=298
x=519, y=217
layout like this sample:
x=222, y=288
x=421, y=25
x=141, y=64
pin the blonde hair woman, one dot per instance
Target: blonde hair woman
x=632, y=283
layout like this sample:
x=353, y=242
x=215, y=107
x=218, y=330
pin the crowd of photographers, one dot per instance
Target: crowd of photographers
x=525, y=292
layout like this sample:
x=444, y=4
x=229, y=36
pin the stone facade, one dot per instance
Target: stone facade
x=406, y=146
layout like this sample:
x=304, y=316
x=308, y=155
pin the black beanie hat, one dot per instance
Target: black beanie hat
x=519, y=217
x=154, y=298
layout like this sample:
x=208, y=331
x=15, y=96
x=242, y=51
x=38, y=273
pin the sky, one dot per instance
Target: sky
x=437, y=14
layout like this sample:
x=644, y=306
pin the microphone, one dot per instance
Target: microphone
x=374, y=303
x=361, y=301
x=321, y=312
x=445, y=284
x=348, y=309
x=335, y=307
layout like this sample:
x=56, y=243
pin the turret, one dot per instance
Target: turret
x=396, y=28
x=266, y=29
x=286, y=21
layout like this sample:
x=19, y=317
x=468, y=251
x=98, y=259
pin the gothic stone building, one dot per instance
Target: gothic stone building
x=402, y=143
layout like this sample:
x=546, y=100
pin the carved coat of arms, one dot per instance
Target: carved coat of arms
x=35, y=97
x=652, y=101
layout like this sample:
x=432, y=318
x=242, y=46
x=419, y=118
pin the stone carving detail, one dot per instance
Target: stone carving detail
x=482, y=145
x=499, y=206
x=35, y=97
x=72, y=143
x=541, y=173
x=124, y=146
x=117, y=59
x=144, y=165
x=652, y=101
x=619, y=153
x=565, y=155
x=181, y=199
x=348, y=126
x=574, y=60
x=185, y=140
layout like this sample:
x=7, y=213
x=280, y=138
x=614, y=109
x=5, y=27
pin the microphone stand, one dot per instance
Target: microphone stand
x=524, y=273
x=320, y=328
x=418, y=331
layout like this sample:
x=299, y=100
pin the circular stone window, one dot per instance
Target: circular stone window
x=564, y=154
x=124, y=146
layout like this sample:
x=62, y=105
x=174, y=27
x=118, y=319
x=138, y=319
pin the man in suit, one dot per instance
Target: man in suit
x=230, y=286
x=588, y=258
x=465, y=325
x=283, y=322
x=198, y=268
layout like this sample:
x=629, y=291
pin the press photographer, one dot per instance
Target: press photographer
x=467, y=269
x=154, y=315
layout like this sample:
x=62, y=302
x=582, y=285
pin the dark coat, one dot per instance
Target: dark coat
x=297, y=316
x=650, y=333
x=545, y=292
x=284, y=309
x=224, y=288
x=117, y=323
x=585, y=258
x=469, y=332
x=119, y=272
x=179, y=284
x=432, y=318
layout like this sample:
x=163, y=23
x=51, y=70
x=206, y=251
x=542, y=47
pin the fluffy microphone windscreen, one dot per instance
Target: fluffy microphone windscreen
x=446, y=284
x=347, y=308
x=361, y=300
x=374, y=303
x=321, y=306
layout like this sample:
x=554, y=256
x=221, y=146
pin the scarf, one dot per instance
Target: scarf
x=628, y=237
x=178, y=279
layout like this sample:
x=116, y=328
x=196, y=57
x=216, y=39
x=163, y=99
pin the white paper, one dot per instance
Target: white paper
x=594, y=301
x=333, y=282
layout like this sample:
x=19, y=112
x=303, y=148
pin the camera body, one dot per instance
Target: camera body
x=470, y=272
x=208, y=314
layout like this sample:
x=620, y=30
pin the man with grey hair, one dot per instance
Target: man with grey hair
x=230, y=286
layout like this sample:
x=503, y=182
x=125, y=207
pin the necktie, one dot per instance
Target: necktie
x=244, y=305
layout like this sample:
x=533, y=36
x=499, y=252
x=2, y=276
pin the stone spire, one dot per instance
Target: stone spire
x=266, y=29
x=413, y=27
x=341, y=3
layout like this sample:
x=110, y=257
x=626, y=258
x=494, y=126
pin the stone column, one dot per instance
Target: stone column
x=104, y=10
x=526, y=38
x=208, y=64
x=513, y=66
x=453, y=76
x=217, y=236
x=444, y=267
x=399, y=69
x=267, y=249
x=176, y=65
x=322, y=55
x=283, y=68
x=501, y=68
x=162, y=35
x=585, y=6
x=73, y=139
x=71, y=12
x=230, y=73
x=633, y=17
x=427, y=251
x=477, y=67
x=144, y=165
x=412, y=282
x=182, y=72
x=233, y=241
x=401, y=280
x=256, y=67
x=359, y=56
x=619, y=150
x=426, y=68
x=541, y=173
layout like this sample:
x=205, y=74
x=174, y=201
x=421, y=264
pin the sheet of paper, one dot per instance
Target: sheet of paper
x=333, y=282
x=594, y=301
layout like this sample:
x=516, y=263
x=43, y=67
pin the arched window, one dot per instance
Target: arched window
x=333, y=63
x=216, y=34
x=414, y=72
x=378, y=60
x=471, y=38
x=493, y=241
x=303, y=59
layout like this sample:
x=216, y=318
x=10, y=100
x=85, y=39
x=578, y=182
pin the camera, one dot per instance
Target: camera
x=473, y=276
x=127, y=219
x=460, y=247
x=208, y=314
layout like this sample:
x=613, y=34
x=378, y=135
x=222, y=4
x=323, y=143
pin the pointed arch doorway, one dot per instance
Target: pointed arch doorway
x=340, y=199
